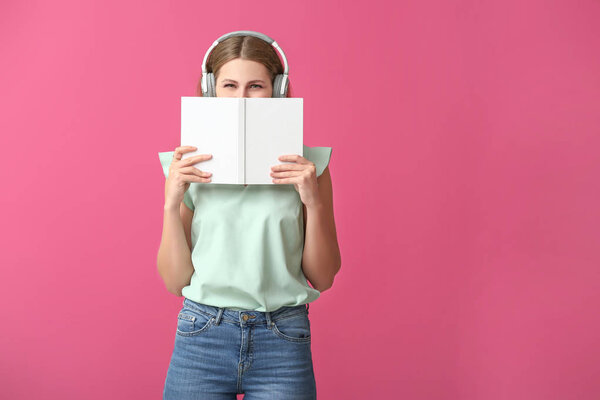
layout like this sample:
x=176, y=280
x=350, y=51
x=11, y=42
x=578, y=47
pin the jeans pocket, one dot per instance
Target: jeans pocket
x=192, y=322
x=294, y=328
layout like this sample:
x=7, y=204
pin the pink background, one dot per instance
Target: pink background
x=465, y=168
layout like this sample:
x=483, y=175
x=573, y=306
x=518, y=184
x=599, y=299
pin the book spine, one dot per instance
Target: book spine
x=241, y=159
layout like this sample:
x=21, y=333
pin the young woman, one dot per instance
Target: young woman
x=241, y=255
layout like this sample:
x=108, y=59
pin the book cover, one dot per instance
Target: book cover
x=244, y=135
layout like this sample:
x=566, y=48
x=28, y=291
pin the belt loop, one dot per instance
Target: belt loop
x=268, y=317
x=219, y=315
x=307, y=307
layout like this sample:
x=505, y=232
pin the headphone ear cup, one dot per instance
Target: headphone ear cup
x=277, y=86
x=210, y=83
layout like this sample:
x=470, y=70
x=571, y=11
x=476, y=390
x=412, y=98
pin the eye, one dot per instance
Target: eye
x=254, y=84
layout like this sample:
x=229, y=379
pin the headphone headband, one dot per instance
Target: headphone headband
x=245, y=33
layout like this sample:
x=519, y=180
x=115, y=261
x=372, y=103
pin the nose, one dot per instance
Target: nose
x=242, y=93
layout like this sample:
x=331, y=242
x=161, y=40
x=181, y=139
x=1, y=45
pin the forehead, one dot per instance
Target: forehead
x=239, y=69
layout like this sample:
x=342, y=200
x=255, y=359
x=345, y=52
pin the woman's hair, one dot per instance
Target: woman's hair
x=247, y=48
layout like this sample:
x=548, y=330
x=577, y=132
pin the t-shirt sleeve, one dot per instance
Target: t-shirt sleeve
x=319, y=155
x=166, y=157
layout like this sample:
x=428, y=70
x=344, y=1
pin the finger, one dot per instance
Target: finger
x=186, y=149
x=288, y=167
x=195, y=171
x=285, y=174
x=194, y=159
x=292, y=157
x=182, y=149
x=198, y=158
x=284, y=180
x=195, y=178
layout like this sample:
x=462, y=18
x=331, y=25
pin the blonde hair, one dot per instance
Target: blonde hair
x=246, y=48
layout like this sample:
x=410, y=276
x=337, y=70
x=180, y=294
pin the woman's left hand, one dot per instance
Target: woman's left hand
x=302, y=173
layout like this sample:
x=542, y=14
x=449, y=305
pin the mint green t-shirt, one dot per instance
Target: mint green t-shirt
x=247, y=242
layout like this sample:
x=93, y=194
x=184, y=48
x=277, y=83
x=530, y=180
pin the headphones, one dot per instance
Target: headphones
x=280, y=84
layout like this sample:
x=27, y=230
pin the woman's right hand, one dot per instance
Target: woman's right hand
x=182, y=173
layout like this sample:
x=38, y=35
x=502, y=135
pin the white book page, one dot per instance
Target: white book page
x=213, y=124
x=274, y=127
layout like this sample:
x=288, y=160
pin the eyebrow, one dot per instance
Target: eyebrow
x=256, y=80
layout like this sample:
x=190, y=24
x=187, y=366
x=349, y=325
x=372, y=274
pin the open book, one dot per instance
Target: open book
x=244, y=135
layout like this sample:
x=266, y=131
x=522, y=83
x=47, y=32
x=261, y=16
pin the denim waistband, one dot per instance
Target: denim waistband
x=248, y=316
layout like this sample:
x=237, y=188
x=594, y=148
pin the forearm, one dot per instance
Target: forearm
x=321, y=258
x=174, y=259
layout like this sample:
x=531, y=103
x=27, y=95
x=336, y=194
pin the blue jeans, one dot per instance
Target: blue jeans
x=220, y=352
